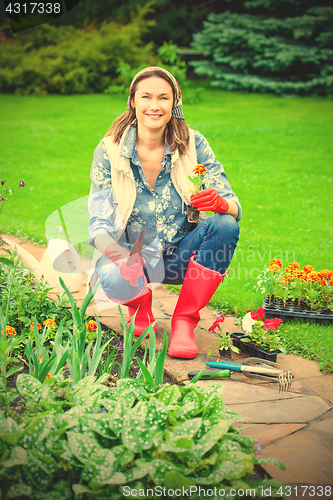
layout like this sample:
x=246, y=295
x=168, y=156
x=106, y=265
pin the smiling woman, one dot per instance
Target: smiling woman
x=141, y=186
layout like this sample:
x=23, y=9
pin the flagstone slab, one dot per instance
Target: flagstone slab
x=308, y=459
x=300, y=367
x=292, y=410
x=266, y=433
x=323, y=386
x=325, y=426
x=240, y=393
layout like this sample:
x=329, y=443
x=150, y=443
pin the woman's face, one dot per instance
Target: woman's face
x=153, y=101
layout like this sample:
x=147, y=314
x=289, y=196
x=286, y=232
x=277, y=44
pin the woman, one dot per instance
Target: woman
x=140, y=183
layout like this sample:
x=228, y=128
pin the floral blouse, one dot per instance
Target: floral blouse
x=159, y=212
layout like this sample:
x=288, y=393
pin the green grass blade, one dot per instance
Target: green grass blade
x=148, y=378
x=75, y=312
x=159, y=369
x=86, y=301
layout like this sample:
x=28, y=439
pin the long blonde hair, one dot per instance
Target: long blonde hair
x=176, y=131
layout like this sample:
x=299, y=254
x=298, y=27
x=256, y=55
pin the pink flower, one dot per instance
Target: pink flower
x=257, y=315
x=272, y=324
x=215, y=325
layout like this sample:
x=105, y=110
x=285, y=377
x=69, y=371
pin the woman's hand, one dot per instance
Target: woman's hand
x=119, y=255
x=209, y=199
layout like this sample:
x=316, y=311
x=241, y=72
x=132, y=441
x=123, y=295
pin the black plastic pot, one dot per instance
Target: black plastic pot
x=292, y=311
x=253, y=349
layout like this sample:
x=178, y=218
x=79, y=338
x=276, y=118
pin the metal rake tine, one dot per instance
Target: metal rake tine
x=285, y=380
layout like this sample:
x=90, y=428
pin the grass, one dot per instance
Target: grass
x=277, y=153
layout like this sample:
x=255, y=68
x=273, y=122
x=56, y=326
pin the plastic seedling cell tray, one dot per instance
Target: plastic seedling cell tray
x=292, y=311
x=252, y=349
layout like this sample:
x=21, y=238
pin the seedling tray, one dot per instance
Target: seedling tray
x=292, y=311
x=252, y=349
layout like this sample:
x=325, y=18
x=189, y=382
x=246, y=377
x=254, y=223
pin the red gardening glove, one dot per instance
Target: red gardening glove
x=132, y=273
x=209, y=199
x=119, y=255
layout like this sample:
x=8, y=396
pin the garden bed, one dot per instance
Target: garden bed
x=292, y=311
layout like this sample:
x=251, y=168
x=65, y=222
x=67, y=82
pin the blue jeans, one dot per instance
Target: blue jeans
x=214, y=240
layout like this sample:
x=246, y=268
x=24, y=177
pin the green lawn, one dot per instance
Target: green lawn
x=277, y=153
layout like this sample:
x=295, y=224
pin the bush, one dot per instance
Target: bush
x=268, y=54
x=67, y=60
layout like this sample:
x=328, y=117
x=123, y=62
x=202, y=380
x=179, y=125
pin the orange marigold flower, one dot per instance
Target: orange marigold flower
x=199, y=169
x=50, y=323
x=39, y=326
x=275, y=262
x=288, y=276
x=10, y=330
x=314, y=276
x=326, y=274
x=91, y=325
x=308, y=268
x=47, y=376
x=273, y=267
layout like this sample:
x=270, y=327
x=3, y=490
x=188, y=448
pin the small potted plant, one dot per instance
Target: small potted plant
x=265, y=342
x=198, y=181
x=224, y=342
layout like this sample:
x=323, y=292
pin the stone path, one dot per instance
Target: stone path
x=295, y=427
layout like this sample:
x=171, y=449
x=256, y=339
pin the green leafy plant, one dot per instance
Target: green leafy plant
x=41, y=363
x=80, y=362
x=314, y=288
x=126, y=436
x=263, y=333
x=8, y=395
x=223, y=342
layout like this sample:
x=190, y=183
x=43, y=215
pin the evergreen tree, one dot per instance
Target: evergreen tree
x=282, y=46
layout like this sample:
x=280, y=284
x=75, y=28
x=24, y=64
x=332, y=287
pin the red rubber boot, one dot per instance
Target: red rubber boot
x=198, y=287
x=144, y=316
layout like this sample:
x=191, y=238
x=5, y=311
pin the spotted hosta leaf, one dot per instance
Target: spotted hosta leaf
x=177, y=446
x=160, y=467
x=169, y=395
x=232, y=416
x=190, y=406
x=271, y=460
x=98, y=423
x=208, y=440
x=79, y=489
x=136, y=435
x=227, y=445
x=10, y=431
x=85, y=382
x=157, y=415
x=142, y=469
x=174, y=480
x=188, y=429
x=36, y=470
x=128, y=396
x=46, y=463
x=18, y=456
x=36, y=431
x=117, y=417
x=27, y=385
x=82, y=445
x=117, y=478
x=108, y=404
x=214, y=408
x=234, y=466
x=100, y=466
x=123, y=455
x=19, y=491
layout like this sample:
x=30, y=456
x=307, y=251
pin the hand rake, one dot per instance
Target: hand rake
x=258, y=368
